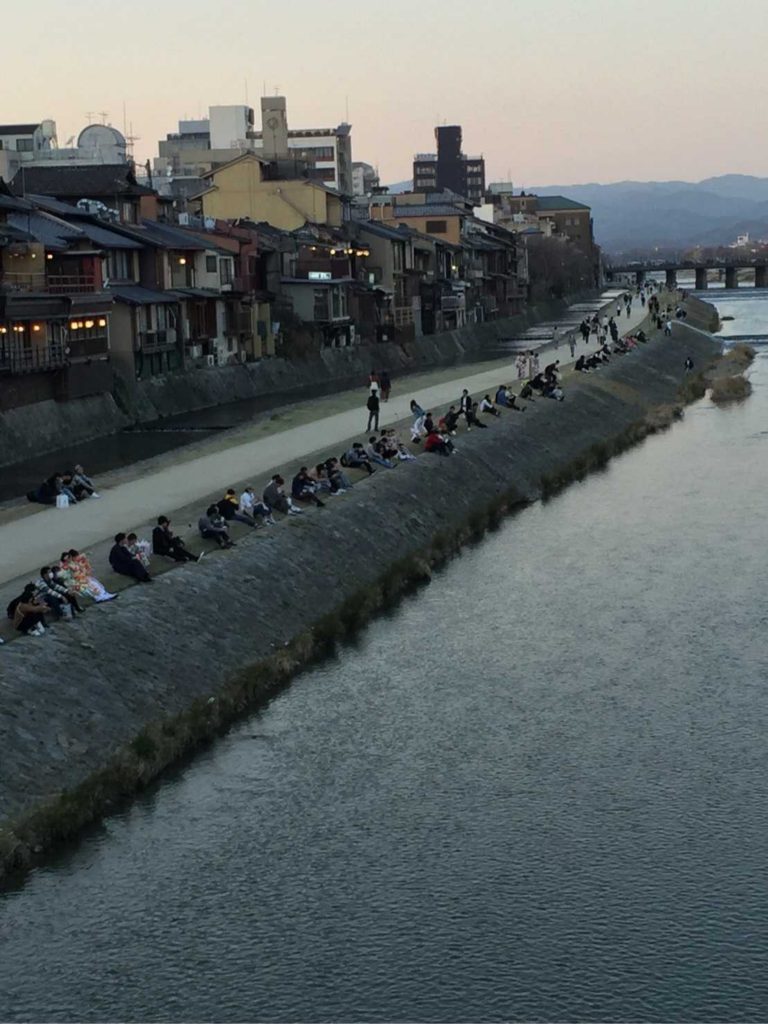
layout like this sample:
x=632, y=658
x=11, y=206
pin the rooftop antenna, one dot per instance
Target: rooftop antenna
x=130, y=138
x=246, y=91
x=346, y=100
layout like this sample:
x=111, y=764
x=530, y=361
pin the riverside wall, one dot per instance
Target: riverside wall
x=33, y=430
x=95, y=710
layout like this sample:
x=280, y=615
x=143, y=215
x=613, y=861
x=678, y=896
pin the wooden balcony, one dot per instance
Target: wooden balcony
x=50, y=284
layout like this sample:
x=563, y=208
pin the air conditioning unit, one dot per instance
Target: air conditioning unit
x=184, y=220
x=210, y=360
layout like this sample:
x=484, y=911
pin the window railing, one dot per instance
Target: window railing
x=18, y=357
x=52, y=284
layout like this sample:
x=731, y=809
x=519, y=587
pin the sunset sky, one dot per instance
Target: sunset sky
x=549, y=91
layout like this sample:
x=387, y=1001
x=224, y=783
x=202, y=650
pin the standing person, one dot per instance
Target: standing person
x=418, y=422
x=520, y=365
x=386, y=384
x=465, y=407
x=126, y=564
x=529, y=365
x=373, y=405
x=688, y=364
x=572, y=344
x=166, y=543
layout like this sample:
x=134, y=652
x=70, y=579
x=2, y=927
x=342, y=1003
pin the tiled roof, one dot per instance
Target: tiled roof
x=94, y=181
x=558, y=203
x=135, y=295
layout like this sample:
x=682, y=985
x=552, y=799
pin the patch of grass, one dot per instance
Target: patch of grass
x=144, y=747
x=730, y=389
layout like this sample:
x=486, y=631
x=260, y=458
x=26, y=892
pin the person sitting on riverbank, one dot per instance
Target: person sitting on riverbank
x=437, y=444
x=373, y=451
x=356, y=458
x=554, y=391
x=213, y=526
x=229, y=509
x=277, y=500
x=340, y=482
x=77, y=573
x=48, y=595
x=82, y=484
x=251, y=506
x=51, y=584
x=126, y=564
x=451, y=420
x=140, y=549
x=473, y=420
x=28, y=612
x=303, y=488
x=486, y=406
x=166, y=544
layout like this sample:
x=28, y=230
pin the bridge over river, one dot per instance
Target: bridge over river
x=727, y=266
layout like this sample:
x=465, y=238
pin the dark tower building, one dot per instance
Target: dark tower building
x=449, y=167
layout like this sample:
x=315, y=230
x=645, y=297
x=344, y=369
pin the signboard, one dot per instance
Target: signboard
x=320, y=275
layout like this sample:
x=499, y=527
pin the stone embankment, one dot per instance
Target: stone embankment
x=92, y=713
x=45, y=426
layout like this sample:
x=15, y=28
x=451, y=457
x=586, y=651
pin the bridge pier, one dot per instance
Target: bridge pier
x=761, y=276
x=639, y=277
x=671, y=280
x=701, y=279
x=731, y=278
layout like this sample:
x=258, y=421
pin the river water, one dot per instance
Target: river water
x=536, y=791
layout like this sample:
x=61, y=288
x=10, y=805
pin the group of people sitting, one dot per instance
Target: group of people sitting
x=621, y=347
x=65, y=488
x=58, y=591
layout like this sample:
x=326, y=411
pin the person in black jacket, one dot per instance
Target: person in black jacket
x=166, y=543
x=124, y=563
x=373, y=405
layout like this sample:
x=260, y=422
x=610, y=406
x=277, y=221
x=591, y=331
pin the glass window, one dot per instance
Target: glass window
x=24, y=145
x=225, y=271
x=210, y=264
x=436, y=227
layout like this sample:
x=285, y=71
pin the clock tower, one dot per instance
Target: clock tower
x=274, y=127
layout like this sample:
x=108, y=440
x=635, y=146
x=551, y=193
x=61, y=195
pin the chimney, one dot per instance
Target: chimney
x=274, y=127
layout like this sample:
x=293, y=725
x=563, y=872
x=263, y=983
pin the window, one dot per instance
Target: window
x=119, y=265
x=210, y=264
x=321, y=304
x=436, y=227
x=397, y=256
x=225, y=271
x=25, y=145
x=339, y=304
x=127, y=213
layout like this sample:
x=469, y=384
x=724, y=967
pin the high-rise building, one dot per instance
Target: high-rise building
x=449, y=168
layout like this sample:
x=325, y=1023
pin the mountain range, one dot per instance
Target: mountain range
x=634, y=216
x=642, y=215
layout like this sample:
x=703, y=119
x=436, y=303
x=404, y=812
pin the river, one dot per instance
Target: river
x=537, y=791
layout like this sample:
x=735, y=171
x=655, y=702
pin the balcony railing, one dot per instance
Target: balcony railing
x=18, y=357
x=402, y=316
x=156, y=341
x=51, y=284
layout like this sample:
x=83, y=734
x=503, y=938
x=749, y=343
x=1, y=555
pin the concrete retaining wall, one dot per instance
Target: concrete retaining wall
x=45, y=426
x=70, y=701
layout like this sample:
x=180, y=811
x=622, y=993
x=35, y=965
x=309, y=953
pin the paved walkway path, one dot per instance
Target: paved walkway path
x=34, y=539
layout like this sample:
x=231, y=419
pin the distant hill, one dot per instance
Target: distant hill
x=672, y=214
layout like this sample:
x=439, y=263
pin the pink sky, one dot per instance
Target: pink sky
x=550, y=91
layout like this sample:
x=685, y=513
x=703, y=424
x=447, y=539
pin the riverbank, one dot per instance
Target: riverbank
x=31, y=430
x=101, y=707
